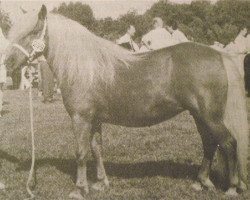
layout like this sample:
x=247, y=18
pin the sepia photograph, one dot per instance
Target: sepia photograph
x=124, y=99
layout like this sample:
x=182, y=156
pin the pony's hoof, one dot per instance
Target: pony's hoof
x=208, y=184
x=231, y=192
x=76, y=194
x=100, y=185
x=2, y=186
x=197, y=186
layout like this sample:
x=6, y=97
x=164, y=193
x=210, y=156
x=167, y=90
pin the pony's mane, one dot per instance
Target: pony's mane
x=76, y=53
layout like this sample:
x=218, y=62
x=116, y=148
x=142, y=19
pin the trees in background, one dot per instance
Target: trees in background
x=201, y=21
x=79, y=12
x=206, y=22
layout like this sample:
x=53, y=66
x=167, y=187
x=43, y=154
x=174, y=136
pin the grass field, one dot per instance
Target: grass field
x=158, y=162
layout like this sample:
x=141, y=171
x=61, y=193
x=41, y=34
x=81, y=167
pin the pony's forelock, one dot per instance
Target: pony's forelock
x=23, y=26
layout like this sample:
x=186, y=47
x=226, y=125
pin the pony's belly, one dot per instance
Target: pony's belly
x=140, y=122
x=140, y=117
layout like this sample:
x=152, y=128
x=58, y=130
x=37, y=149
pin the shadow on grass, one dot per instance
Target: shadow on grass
x=5, y=156
x=123, y=170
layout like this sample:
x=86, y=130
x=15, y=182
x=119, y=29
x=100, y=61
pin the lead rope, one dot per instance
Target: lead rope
x=38, y=46
x=31, y=172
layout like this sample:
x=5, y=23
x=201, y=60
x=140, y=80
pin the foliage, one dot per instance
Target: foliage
x=201, y=21
x=79, y=12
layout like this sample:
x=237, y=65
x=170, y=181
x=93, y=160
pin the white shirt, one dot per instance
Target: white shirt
x=127, y=39
x=124, y=39
x=143, y=48
x=231, y=48
x=4, y=43
x=179, y=37
x=158, y=38
x=240, y=44
x=218, y=46
x=248, y=43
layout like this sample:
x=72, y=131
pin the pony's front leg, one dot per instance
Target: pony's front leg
x=96, y=147
x=82, y=128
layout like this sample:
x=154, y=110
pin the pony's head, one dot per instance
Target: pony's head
x=22, y=35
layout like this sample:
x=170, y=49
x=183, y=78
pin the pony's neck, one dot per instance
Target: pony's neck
x=75, y=53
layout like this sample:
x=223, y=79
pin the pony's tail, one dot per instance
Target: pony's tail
x=235, y=117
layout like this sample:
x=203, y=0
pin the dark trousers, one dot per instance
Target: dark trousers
x=247, y=73
x=16, y=78
x=47, y=80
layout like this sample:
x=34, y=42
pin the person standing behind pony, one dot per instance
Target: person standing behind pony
x=177, y=35
x=47, y=79
x=157, y=38
x=3, y=74
x=126, y=40
x=241, y=42
x=218, y=46
x=247, y=66
x=238, y=48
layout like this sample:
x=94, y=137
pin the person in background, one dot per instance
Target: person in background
x=25, y=79
x=47, y=80
x=4, y=43
x=239, y=48
x=248, y=42
x=177, y=35
x=126, y=40
x=247, y=66
x=240, y=45
x=157, y=38
x=241, y=42
x=230, y=48
x=3, y=75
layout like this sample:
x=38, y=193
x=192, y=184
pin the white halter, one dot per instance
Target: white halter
x=38, y=45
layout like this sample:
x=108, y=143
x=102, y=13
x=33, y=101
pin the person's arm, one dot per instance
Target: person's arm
x=182, y=37
x=135, y=46
x=122, y=40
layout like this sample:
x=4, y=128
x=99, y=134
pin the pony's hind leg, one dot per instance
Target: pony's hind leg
x=96, y=147
x=228, y=147
x=82, y=129
x=209, y=148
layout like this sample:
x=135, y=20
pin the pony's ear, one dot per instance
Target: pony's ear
x=43, y=13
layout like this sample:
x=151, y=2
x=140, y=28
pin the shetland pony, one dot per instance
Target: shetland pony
x=102, y=83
